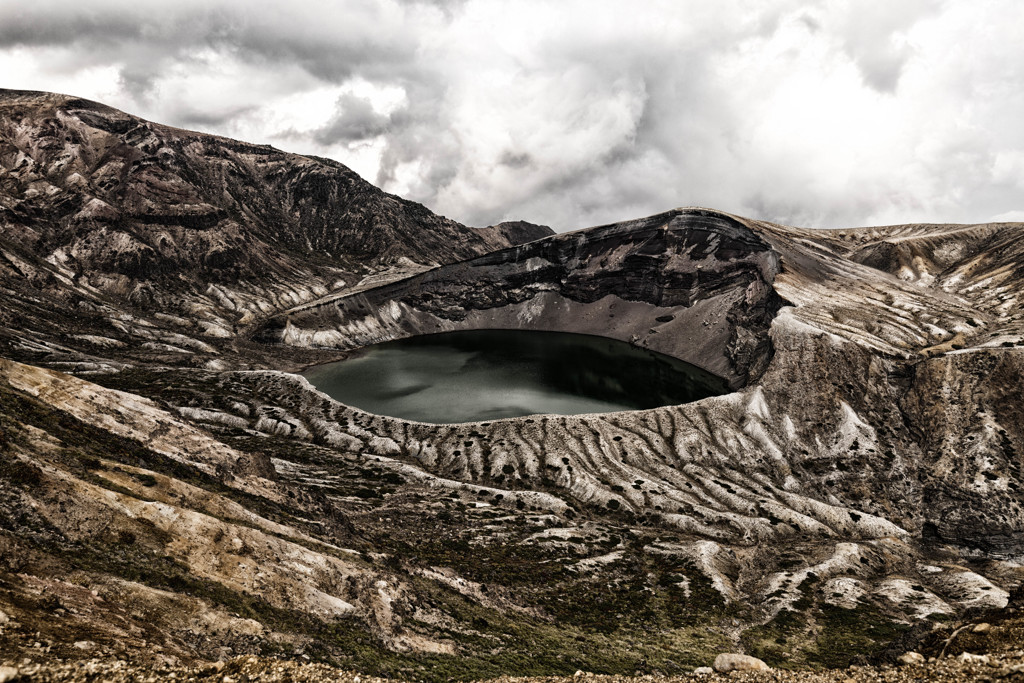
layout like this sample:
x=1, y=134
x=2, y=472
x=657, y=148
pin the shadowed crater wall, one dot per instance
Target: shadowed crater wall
x=693, y=284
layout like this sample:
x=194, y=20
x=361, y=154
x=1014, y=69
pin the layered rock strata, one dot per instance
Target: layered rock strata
x=692, y=284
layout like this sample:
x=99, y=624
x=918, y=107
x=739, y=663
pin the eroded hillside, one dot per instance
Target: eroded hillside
x=170, y=242
x=182, y=496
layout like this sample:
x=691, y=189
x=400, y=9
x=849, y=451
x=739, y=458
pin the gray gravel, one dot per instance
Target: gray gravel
x=1003, y=667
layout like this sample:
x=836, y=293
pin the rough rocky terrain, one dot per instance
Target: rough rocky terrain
x=170, y=494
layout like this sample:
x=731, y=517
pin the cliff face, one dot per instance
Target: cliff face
x=864, y=475
x=689, y=283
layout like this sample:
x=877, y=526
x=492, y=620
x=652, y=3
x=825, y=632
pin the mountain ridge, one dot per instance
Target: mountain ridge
x=101, y=206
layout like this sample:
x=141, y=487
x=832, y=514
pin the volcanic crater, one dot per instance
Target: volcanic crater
x=169, y=481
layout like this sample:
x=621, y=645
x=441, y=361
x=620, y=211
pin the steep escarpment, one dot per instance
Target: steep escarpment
x=690, y=283
x=965, y=411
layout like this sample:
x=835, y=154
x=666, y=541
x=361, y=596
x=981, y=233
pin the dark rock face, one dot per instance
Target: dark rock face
x=690, y=283
x=520, y=232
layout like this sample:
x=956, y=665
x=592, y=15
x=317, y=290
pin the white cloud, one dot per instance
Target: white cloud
x=827, y=113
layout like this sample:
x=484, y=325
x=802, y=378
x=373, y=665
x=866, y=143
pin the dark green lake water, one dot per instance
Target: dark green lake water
x=490, y=374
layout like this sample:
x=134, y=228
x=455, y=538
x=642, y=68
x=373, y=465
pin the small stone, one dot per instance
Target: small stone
x=578, y=674
x=3, y=618
x=982, y=628
x=912, y=659
x=968, y=658
x=85, y=645
x=8, y=673
x=726, y=662
x=703, y=671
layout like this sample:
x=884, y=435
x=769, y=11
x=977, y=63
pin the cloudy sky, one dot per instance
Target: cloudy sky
x=579, y=112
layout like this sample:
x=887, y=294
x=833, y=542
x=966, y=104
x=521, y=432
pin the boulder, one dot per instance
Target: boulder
x=736, y=662
x=911, y=659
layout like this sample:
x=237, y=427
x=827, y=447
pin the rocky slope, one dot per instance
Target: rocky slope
x=185, y=497
x=1006, y=662
x=114, y=220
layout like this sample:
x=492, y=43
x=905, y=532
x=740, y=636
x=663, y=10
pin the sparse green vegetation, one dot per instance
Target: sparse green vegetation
x=823, y=636
x=144, y=479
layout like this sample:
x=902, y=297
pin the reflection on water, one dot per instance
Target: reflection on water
x=491, y=374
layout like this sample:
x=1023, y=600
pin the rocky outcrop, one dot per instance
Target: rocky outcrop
x=520, y=232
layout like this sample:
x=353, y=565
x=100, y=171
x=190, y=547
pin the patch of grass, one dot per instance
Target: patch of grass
x=826, y=636
x=144, y=478
x=20, y=473
x=850, y=632
x=490, y=643
x=940, y=617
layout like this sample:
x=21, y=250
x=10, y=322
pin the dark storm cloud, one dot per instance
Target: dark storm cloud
x=580, y=112
x=204, y=119
x=356, y=120
x=26, y=26
x=329, y=41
